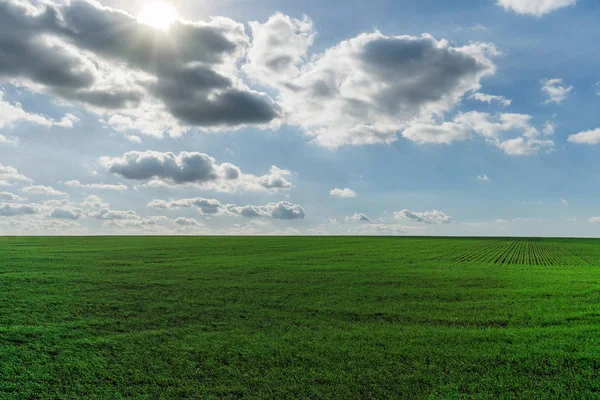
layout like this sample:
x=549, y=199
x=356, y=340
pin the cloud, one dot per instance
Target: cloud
x=44, y=191
x=493, y=127
x=186, y=221
x=536, y=8
x=10, y=197
x=276, y=179
x=279, y=47
x=427, y=217
x=134, y=139
x=549, y=128
x=566, y=203
x=10, y=176
x=13, y=113
x=205, y=206
x=102, y=57
x=187, y=168
x=358, y=217
x=367, y=88
x=10, y=141
x=595, y=220
x=101, y=186
x=12, y=210
x=445, y=133
x=555, y=90
x=489, y=98
x=281, y=210
x=66, y=213
x=586, y=137
x=93, y=203
x=343, y=192
x=108, y=214
x=482, y=177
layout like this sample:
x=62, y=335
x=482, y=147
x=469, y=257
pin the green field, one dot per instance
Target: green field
x=299, y=317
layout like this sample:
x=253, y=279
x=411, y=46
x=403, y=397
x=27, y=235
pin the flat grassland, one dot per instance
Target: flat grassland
x=299, y=317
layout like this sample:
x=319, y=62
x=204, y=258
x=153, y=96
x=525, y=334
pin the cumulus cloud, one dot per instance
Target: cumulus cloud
x=108, y=214
x=101, y=186
x=555, y=90
x=595, y=220
x=346, y=192
x=482, y=177
x=10, y=176
x=586, y=137
x=427, y=217
x=102, y=57
x=192, y=168
x=13, y=113
x=535, y=8
x=44, y=191
x=492, y=128
x=366, y=89
x=10, y=197
x=10, y=141
x=276, y=179
x=445, y=133
x=205, y=206
x=12, y=210
x=280, y=210
x=186, y=221
x=279, y=47
x=358, y=217
x=66, y=213
x=489, y=98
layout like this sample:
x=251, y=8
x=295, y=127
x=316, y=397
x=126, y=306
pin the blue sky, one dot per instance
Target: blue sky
x=430, y=118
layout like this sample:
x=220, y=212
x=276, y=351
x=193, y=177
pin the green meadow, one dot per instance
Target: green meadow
x=299, y=317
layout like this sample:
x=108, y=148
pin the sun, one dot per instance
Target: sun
x=158, y=15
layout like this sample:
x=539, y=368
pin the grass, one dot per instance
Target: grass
x=282, y=317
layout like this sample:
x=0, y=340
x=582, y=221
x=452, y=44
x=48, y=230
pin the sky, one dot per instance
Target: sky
x=264, y=117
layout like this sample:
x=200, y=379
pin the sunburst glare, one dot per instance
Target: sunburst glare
x=158, y=15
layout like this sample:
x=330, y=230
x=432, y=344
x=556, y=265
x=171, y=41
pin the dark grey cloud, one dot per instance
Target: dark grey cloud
x=47, y=44
x=187, y=167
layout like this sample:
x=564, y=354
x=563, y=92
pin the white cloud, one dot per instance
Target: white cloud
x=44, y=191
x=482, y=177
x=445, y=133
x=489, y=98
x=595, y=220
x=566, y=203
x=346, y=192
x=586, y=137
x=279, y=47
x=535, y=8
x=276, y=180
x=7, y=196
x=101, y=186
x=10, y=141
x=427, y=217
x=366, y=89
x=280, y=210
x=13, y=113
x=549, y=128
x=492, y=129
x=358, y=217
x=555, y=90
x=10, y=176
x=12, y=210
x=133, y=139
